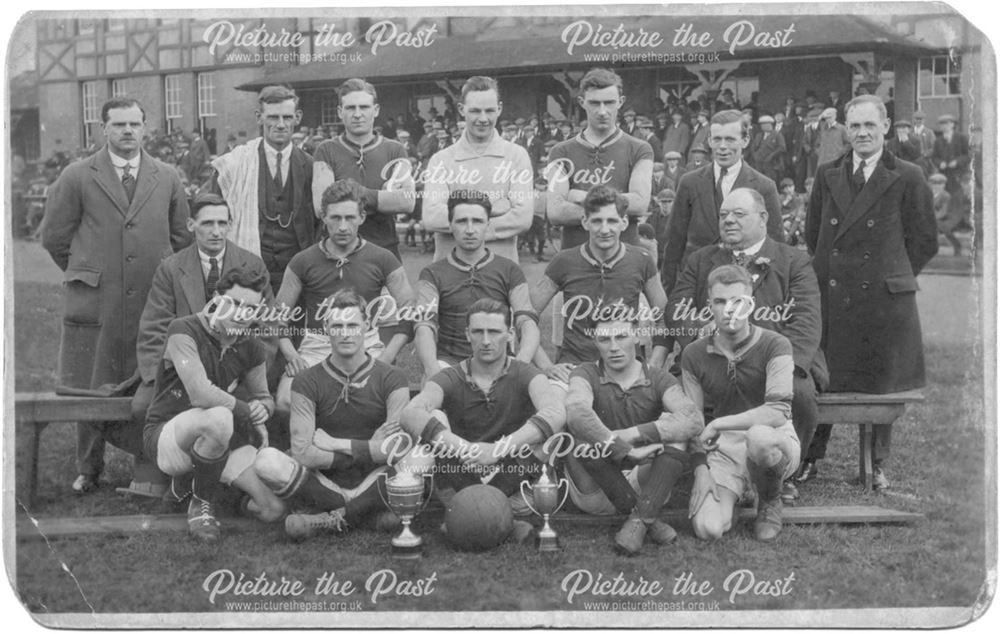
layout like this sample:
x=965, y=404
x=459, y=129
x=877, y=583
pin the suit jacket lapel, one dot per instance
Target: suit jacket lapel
x=706, y=194
x=192, y=279
x=108, y=180
x=298, y=166
x=880, y=181
x=149, y=176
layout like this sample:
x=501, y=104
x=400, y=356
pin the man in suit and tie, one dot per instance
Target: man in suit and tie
x=109, y=220
x=185, y=281
x=694, y=222
x=871, y=229
x=785, y=295
x=268, y=185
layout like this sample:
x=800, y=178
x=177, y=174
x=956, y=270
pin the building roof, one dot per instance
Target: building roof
x=461, y=56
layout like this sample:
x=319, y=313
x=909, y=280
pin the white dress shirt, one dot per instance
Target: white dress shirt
x=271, y=155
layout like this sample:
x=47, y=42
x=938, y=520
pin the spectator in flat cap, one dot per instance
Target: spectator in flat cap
x=767, y=149
x=833, y=139
x=943, y=209
x=644, y=131
x=951, y=154
x=904, y=144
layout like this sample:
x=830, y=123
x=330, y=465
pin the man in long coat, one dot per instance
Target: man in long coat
x=871, y=229
x=109, y=220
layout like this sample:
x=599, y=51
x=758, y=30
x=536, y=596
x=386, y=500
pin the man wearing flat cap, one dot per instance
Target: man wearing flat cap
x=767, y=150
x=951, y=152
x=926, y=137
x=833, y=141
x=644, y=131
x=904, y=144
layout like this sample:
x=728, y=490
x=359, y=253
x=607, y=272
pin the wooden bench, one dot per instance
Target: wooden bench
x=865, y=411
x=37, y=409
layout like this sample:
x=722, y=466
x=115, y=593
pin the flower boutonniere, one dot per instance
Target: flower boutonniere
x=762, y=264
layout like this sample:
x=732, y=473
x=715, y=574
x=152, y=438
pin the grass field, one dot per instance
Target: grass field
x=938, y=468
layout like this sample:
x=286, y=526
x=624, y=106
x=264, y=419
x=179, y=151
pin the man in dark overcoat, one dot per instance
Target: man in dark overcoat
x=109, y=220
x=871, y=229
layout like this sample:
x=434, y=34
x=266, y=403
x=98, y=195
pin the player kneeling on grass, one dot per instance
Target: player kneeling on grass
x=194, y=423
x=636, y=418
x=741, y=377
x=344, y=411
x=486, y=419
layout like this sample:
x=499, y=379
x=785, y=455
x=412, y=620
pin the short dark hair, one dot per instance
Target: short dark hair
x=207, y=199
x=346, y=298
x=356, y=84
x=277, y=93
x=602, y=196
x=725, y=117
x=339, y=191
x=598, y=78
x=120, y=103
x=468, y=197
x=479, y=83
x=489, y=306
x=245, y=277
x=729, y=274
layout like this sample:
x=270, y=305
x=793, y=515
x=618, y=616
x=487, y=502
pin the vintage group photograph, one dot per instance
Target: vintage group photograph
x=636, y=316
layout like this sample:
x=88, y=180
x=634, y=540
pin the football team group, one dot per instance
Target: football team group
x=259, y=327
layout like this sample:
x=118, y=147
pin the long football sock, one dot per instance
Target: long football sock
x=665, y=470
x=207, y=483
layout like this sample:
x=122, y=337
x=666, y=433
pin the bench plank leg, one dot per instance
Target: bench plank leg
x=866, y=436
x=36, y=437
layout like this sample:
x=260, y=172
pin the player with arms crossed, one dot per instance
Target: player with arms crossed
x=470, y=272
x=194, y=421
x=636, y=418
x=379, y=165
x=601, y=276
x=476, y=414
x=343, y=411
x=741, y=377
x=344, y=260
x=482, y=160
x=602, y=154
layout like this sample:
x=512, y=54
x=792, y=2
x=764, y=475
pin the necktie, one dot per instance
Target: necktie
x=213, y=278
x=718, y=187
x=858, y=180
x=279, y=182
x=128, y=181
x=740, y=258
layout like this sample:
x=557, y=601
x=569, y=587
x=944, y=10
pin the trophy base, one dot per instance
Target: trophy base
x=407, y=551
x=548, y=544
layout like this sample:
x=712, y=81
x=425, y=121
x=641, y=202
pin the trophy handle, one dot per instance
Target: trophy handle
x=565, y=495
x=430, y=491
x=524, y=497
x=383, y=477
